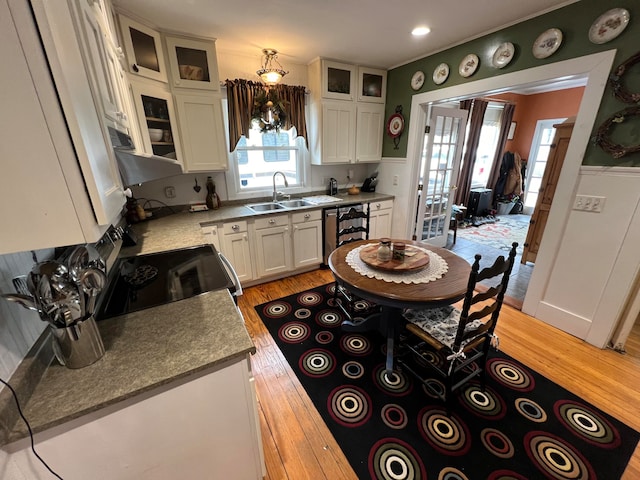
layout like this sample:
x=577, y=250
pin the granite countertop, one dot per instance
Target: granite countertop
x=184, y=229
x=150, y=348
x=143, y=350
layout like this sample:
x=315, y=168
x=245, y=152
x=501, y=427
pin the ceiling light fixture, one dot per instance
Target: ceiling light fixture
x=271, y=71
x=419, y=31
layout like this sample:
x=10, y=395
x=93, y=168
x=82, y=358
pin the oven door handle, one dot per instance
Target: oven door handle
x=231, y=270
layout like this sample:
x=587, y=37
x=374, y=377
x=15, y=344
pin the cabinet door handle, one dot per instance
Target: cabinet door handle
x=272, y=221
x=377, y=205
x=235, y=227
x=307, y=215
x=135, y=68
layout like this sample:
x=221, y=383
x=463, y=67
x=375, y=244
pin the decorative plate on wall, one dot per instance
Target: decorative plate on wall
x=609, y=25
x=417, y=80
x=468, y=65
x=503, y=55
x=547, y=43
x=440, y=74
x=395, y=125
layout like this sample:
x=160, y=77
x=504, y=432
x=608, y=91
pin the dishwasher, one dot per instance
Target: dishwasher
x=330, y=226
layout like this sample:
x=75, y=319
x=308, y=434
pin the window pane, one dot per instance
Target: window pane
x=262, y=154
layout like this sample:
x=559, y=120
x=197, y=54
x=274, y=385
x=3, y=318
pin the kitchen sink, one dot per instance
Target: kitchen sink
x=265, y=207
x=295, y=203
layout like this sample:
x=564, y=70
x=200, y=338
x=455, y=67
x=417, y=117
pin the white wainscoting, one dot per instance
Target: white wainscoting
x=597, y=260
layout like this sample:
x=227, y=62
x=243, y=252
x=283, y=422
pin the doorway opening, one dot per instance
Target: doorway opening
x=491, y=232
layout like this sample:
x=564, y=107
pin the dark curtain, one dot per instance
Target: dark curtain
x=478, y=108
x=505, y=123
x=294, y=103
x=241, y=95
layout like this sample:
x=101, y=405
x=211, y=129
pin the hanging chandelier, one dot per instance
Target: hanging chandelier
x=271, y=71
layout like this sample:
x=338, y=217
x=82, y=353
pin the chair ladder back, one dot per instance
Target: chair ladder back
x=350, y=229
x=500, y=266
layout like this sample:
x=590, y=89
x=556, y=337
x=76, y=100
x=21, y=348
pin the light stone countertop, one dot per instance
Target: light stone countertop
x=150, y=348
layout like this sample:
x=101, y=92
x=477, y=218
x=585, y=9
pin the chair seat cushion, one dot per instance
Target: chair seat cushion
x=441, y=323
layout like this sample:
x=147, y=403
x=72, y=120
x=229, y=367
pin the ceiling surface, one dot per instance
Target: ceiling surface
x=374, y=33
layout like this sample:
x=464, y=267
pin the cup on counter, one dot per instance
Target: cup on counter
x=78, y=345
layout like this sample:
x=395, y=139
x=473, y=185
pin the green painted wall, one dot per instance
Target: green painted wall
x=574, y=21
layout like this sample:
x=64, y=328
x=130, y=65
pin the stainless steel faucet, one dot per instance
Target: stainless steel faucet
x=286, y=184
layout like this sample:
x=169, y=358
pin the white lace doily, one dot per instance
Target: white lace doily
x=436, y=268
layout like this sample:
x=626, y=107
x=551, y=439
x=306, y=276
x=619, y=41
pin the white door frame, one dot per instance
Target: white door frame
x=595, y=69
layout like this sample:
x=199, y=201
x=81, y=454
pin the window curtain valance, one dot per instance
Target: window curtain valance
x=241, y=95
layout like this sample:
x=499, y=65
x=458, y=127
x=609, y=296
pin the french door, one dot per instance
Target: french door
x=441, y=155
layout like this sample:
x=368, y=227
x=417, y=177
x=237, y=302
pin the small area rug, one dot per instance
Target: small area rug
x=500, y=234
x=522, y=426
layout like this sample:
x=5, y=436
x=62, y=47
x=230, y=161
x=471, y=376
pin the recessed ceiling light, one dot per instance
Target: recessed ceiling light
x=419, y=31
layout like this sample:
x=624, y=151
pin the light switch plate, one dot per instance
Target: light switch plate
x=589, y=203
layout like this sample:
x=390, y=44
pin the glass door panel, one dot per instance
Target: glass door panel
x=372, y=85
x=442, y=152
x=193, y=63
x=144, y=50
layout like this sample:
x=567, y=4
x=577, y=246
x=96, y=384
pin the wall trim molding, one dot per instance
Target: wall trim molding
x=613, y=171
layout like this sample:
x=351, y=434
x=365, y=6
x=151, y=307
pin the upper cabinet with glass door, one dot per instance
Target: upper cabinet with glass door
x=144, y=50
x=372, y=85
x=192, y=63
x=338, y=80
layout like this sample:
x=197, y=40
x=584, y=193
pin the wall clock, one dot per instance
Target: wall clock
x=417, y=80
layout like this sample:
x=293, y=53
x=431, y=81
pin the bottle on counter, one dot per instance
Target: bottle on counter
x=212, y=200
x=384, y=250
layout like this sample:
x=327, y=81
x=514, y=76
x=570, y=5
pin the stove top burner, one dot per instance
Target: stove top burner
x=141, y=275
x=155, y=279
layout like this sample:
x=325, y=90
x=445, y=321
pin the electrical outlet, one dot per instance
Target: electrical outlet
x=396, y=179
x=589, y=203
x=169, y=192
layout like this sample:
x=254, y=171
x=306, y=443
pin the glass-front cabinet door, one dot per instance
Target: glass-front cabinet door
x=157, y=119
x=338, y=80
x=192, y=63
x=144, y=50
x=372, y=85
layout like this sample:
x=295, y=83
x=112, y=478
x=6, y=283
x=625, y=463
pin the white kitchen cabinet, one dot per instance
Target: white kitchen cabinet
x=236, y=247
x=338, y=80
x=57, y=158
x=307, y=238
x=380, y=215
x=143, y=48
x=338, y=127
x=272, y=245
x=369, y=130
x=154, y=108
x=205, y=427
x=102, y=61
x=210, y=233
x=192, y=63
x=201, y=128
x=372, y=85
x=345, y=126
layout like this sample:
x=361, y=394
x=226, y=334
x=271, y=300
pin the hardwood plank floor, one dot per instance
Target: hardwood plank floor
x=298, y=445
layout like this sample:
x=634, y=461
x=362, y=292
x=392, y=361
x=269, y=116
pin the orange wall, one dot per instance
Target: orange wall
x=541, y=106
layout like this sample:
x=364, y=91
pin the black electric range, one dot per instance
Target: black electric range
x=145, y=281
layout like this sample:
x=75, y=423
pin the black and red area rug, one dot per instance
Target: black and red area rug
x=523, y=426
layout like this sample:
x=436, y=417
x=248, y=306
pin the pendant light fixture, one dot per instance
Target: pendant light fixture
x=271, y=71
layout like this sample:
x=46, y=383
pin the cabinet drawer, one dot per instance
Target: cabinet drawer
x=306, y=216
x=382, y=205
x=271, y=221
x=235, y=227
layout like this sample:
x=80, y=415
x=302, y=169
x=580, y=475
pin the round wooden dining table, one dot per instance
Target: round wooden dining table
x=394, y=297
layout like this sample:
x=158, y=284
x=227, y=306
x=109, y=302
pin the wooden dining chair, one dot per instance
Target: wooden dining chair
x=454, y=344
x=354, y=221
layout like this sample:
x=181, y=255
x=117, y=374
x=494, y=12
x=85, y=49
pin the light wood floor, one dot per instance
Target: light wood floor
x=298, y=445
